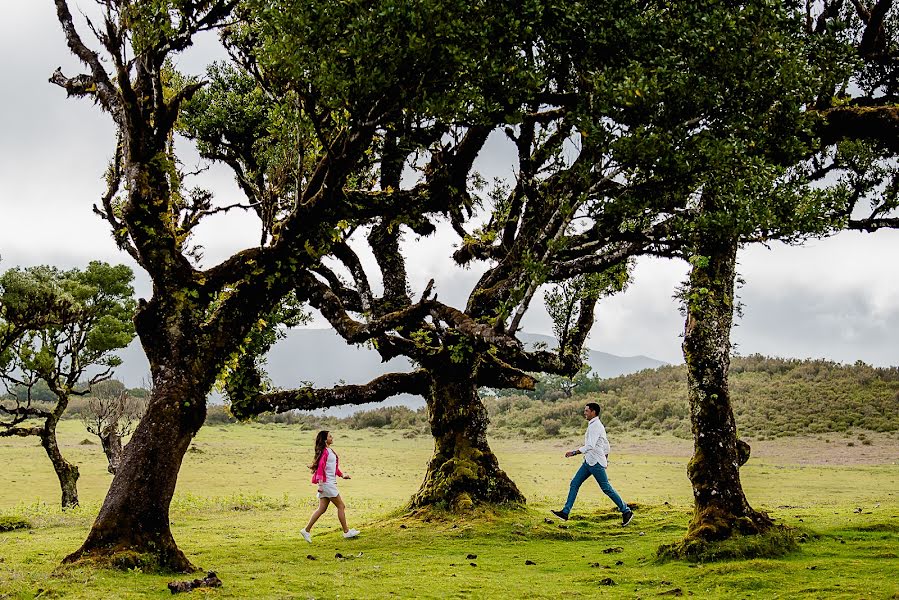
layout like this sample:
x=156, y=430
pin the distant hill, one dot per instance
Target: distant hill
x=602, y=364
x=771, y=397
x=321, y=357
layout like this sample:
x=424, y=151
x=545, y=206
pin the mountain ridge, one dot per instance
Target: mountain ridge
x=319, y=357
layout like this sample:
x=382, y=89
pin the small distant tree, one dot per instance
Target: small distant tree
x=112, y=413
x=29, y=299
x=97, y=322
x=39, y=392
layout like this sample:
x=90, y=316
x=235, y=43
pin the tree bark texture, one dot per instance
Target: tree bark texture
x=463, y=472
x=66, y=472
x=135, y=514
x=721, y=508
x=112, y=447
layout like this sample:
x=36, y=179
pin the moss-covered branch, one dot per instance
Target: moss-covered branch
x=879, y=124
x=309, y=398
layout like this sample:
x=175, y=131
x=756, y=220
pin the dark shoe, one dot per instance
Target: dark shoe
x=626, y=517
x=561, y=514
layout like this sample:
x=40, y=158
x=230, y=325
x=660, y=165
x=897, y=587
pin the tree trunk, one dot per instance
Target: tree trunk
x=66, y=472
x=463, y=472
x=720, y=505
x=112, y=446
x=135, y=514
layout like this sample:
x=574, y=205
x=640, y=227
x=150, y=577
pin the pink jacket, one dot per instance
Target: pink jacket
x=319, y=475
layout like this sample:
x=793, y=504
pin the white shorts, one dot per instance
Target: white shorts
x=328, y=490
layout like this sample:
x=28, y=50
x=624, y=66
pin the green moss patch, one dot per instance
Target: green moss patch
x=11, y=523
x=776, y=542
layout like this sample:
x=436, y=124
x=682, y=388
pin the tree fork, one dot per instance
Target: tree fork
x=721, y=508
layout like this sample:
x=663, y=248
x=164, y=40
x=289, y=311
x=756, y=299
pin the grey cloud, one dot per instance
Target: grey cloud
x=834, y=299
x=799, y=322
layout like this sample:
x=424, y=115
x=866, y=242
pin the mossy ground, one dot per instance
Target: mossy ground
x=242, y=500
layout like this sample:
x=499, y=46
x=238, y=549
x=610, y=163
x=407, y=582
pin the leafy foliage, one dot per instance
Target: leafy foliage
x=60, y=352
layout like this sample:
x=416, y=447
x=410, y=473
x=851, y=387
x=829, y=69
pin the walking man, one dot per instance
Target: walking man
x=596, y=459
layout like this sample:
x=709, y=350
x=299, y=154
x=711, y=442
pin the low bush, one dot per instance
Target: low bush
x=12, y=523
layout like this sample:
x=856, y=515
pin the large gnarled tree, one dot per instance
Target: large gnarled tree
x=359, y=67
x=835, y=130
x=569, y=213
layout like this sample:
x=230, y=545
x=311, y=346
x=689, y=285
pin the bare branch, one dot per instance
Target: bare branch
x=878, y=124
x=322, y=298
x=348, y=257
x=870, y=225
x=108, y=212
x=106, y=91
x=872, y=41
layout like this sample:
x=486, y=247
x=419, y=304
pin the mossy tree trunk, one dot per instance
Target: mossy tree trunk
x=721, y=508
x=135, y=514
x=463, y=472
x=134, y=517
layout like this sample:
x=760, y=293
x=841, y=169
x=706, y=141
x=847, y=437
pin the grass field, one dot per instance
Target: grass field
x=244, y=493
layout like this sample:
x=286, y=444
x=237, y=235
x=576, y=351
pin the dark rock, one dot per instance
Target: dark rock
x=529, y=562
x=613, y=550
x=618, y=563
x=606, y=581
x=310, y=557
x=211, y=580
x=674, y=592
x=471, y=556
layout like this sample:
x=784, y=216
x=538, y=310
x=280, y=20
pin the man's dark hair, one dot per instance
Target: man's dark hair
x=594, y=407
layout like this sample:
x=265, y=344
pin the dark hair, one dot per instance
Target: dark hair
x=321, y=440
x=594, y=407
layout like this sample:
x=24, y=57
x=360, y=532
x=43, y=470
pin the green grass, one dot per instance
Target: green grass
x=244, y=495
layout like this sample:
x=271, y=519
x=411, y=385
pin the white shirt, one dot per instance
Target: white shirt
x=331, y=468
x=596, y=445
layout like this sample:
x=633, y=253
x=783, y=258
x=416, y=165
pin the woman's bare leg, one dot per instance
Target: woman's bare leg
x=341, y=512
x=322, y=507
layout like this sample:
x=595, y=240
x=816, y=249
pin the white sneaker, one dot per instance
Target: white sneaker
x=351, y=533
x=306, y=535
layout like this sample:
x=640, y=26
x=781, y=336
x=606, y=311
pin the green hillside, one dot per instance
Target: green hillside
x=771, y=396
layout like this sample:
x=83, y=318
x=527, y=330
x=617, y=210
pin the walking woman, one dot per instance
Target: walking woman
x=325, y=469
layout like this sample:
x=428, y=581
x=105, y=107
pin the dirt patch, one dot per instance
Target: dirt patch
x=832, y=449
x=828, y=449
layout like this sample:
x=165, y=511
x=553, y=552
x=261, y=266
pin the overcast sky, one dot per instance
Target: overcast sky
x=836, y=299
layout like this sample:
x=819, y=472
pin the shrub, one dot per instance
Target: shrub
x=218, y=414
x=551, y=427
x=11, y=523
x=368, y=419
